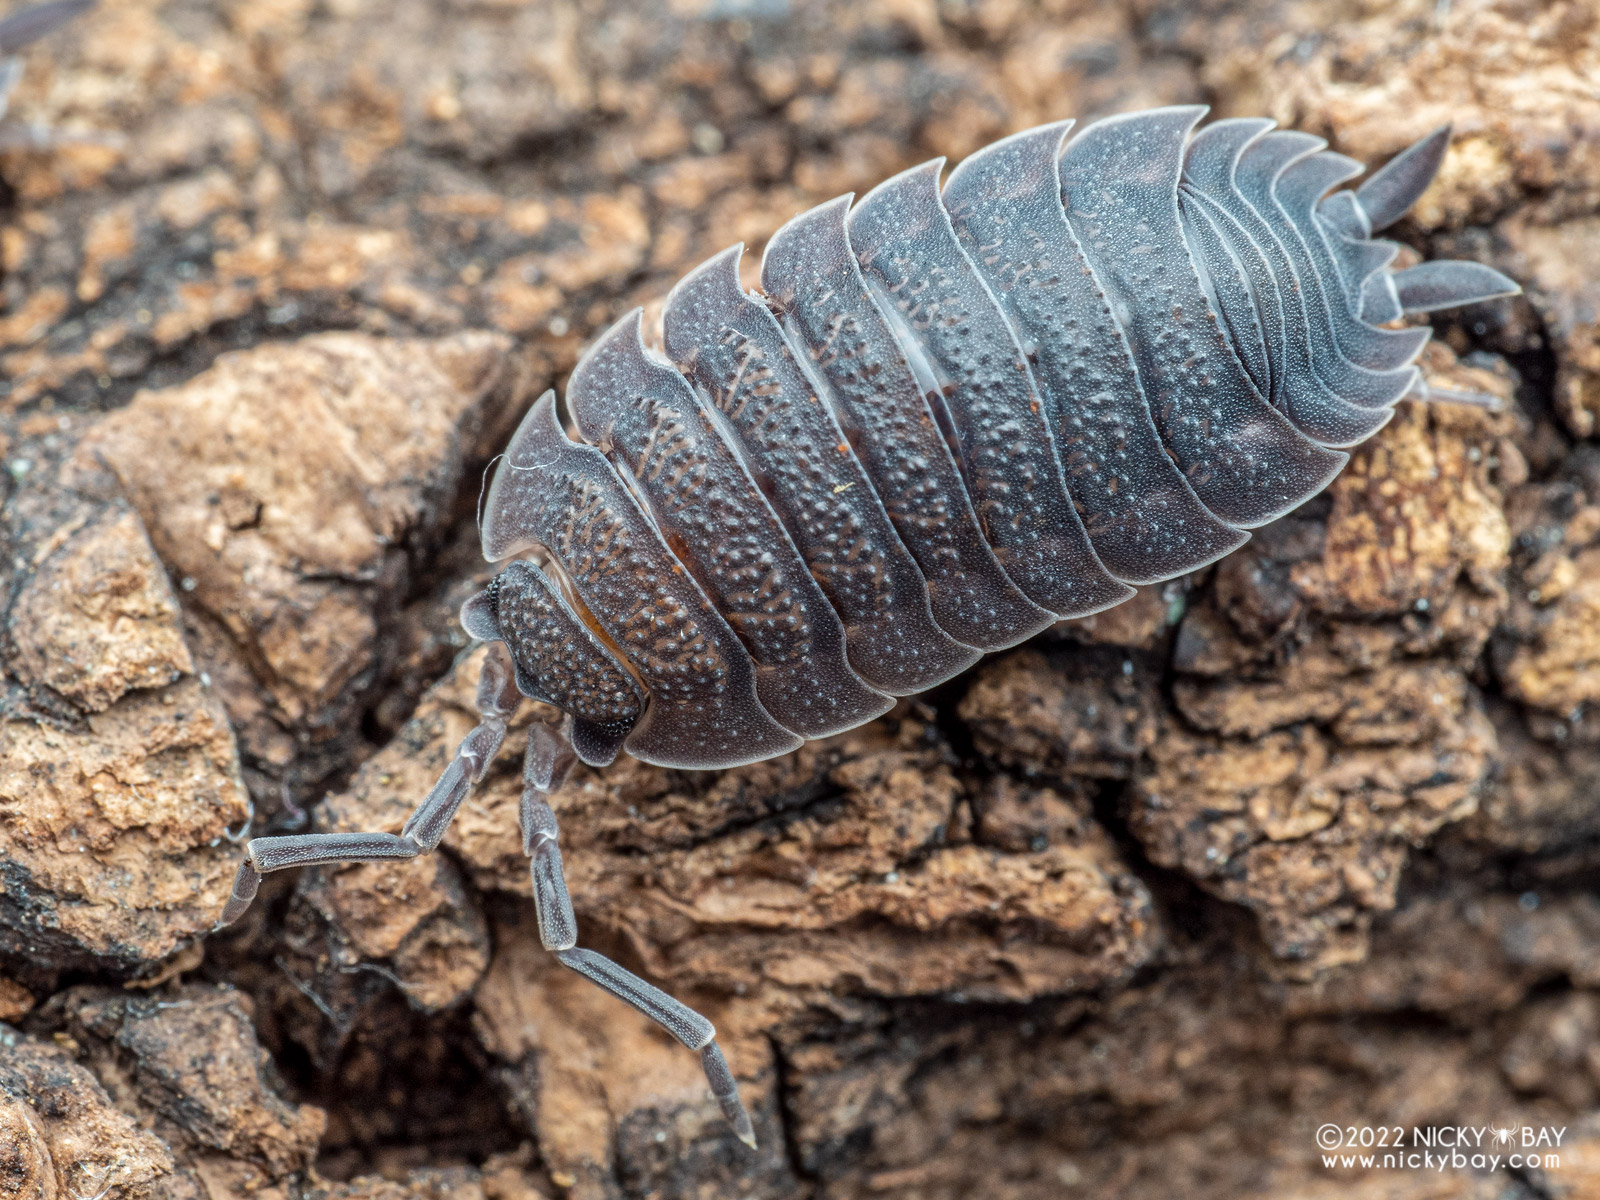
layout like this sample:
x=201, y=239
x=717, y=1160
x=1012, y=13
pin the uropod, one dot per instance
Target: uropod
x=959, y=411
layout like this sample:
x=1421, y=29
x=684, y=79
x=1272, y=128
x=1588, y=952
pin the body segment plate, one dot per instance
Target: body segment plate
x=563, y=496
x=938, y=303
x=1342, y=349
x=1143, y=519
x=734, y=350
x=811, y=276
x=646, y=418
x=1314, y=408
x=1208, y=177
x=1119, y=181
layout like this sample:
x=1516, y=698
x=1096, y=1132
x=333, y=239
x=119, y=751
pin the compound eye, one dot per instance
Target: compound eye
x=559, y=660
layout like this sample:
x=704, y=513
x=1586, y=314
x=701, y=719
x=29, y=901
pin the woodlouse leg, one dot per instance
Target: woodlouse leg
x=1434, y=393
x=30, y=24
x=497, y=700
x=550, y=757
x=10, y=76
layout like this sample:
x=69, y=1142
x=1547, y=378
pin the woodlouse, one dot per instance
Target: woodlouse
x=958, y=415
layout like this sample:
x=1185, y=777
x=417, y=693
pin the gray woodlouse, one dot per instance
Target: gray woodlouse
x=957, y=415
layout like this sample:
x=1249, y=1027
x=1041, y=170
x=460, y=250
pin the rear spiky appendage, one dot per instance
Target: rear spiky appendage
x=1388, y=193
x=1430, y=286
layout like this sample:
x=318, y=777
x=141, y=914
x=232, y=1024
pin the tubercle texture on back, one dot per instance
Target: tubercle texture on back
x=735, y=353
x=565, y=498
x=1093, y=358
x=938, y=301
x=663, y=439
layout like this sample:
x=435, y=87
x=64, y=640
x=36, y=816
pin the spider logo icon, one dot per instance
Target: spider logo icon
x=1503, y=1136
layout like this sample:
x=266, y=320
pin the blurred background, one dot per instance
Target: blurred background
x=1308, y=838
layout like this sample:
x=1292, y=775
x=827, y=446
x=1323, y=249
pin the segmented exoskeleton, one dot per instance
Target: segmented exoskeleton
x=956, y=416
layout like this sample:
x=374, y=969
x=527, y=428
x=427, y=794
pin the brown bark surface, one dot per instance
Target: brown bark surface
x=1309, y=837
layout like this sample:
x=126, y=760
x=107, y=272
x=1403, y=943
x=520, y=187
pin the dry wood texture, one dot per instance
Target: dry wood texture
x=1131, y=910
